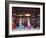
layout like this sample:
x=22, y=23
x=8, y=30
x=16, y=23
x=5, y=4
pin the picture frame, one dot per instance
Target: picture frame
x=19, y=4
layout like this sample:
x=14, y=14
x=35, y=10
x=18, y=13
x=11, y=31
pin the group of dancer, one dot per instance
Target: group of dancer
x=21, y=23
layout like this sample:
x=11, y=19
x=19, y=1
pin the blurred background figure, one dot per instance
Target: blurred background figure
x=24, y=22
x=28, y=23
x=13, y=23
x=20, y=23
x=17, y=23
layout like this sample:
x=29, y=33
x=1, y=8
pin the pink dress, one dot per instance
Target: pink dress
x=29, y=26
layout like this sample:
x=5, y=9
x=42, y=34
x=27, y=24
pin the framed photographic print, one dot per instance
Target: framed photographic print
x=24, y=18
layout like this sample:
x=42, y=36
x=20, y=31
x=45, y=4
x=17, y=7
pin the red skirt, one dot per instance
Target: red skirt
x=13, y=26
